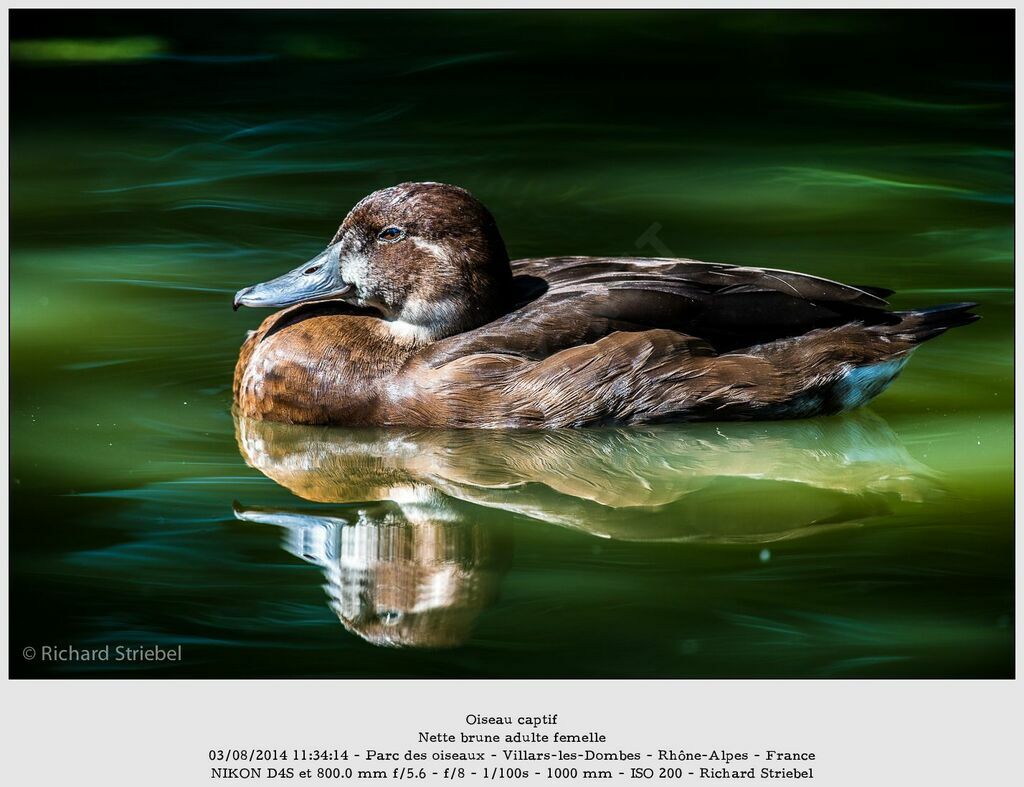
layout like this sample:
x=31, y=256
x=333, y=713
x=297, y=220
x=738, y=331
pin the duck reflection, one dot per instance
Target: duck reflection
x=413, y=564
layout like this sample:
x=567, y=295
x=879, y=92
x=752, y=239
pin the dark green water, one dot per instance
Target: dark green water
x=162, y=161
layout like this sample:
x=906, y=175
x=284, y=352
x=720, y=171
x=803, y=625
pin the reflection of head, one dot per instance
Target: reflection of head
x=408, y=575
x=415, y=585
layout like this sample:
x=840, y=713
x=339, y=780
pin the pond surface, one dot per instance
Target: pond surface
x=162, y=161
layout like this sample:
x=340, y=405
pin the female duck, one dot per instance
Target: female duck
x=414, y=316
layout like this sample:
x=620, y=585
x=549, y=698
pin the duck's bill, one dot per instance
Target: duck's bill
x=283, y=518
x=316, y=280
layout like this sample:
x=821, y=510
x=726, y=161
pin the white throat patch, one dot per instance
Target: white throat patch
x=410, y=331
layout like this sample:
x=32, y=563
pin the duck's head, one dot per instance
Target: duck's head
x=427, y=256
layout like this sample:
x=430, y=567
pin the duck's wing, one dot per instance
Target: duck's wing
x=570, y=301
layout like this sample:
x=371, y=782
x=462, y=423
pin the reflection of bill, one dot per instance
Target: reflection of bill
x=414, y=565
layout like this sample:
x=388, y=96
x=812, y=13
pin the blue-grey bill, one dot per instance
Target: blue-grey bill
x=316, y=280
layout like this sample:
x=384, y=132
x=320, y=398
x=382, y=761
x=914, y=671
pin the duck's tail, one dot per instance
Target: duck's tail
x=920, y=325
x=839, y=369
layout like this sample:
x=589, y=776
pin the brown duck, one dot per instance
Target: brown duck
x=414, y=316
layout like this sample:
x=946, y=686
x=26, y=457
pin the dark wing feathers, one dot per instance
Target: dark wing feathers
x=568, y=301
x=675, y=274
x=879, y=292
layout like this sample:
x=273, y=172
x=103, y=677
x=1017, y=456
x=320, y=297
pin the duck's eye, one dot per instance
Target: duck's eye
x=311, y=269
x=391, y=234
x=390, y=617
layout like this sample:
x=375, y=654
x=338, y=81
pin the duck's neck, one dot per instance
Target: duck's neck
x=480, y=296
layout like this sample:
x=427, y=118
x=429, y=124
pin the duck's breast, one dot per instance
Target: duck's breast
x=321, y=369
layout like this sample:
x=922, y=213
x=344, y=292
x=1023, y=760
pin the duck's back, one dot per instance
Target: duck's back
x=597, y=341
x=728, y=306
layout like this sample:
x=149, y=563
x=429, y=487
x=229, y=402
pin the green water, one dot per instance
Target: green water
x=160, y=161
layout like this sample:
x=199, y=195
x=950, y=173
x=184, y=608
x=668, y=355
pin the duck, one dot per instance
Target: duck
x=414, y=316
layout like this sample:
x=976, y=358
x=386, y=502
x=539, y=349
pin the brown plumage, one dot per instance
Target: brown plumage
x=413, y=316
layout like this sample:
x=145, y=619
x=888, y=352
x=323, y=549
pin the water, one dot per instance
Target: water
x=161, y=161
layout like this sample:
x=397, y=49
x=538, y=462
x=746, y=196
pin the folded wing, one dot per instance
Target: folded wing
x=569, y=301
